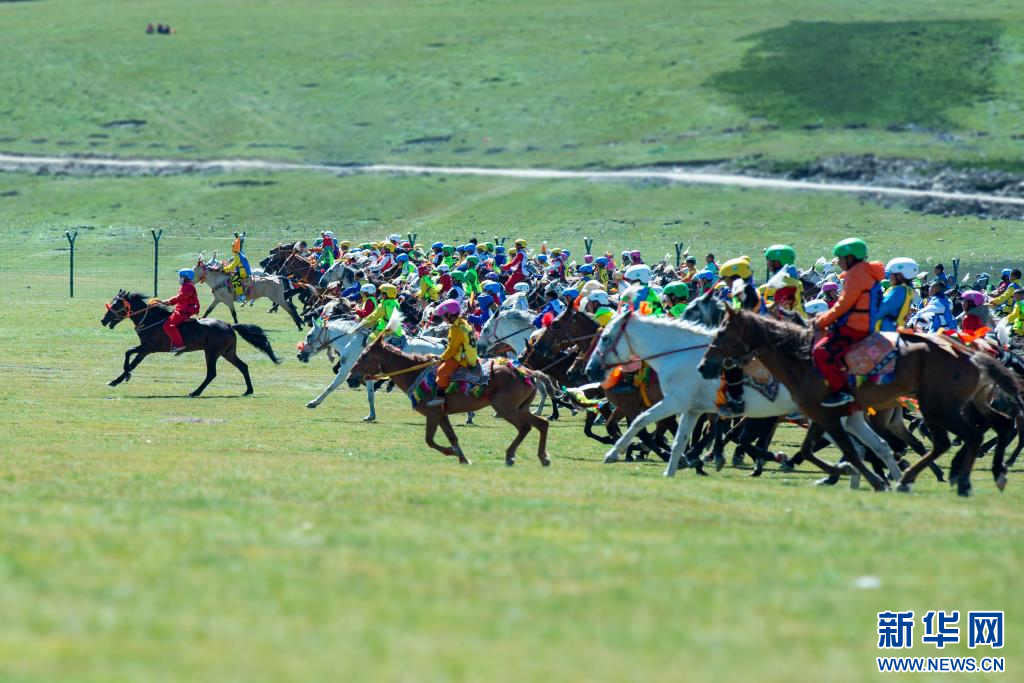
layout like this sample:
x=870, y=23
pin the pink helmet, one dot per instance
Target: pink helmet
x=973, y=297
x=588, y=259
x=830, y=287
x=448, y=307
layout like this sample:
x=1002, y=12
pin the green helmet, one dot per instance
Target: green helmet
x=852, y=246
x=459, y=276
x=448, y=249
x=678, y=289
x=473, y=259
x=783, y=253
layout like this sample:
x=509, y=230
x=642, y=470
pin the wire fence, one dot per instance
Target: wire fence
x=85, y=265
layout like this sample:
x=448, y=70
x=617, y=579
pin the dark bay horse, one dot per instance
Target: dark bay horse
x=953, y=386
x=214, y=337
x=508, y=393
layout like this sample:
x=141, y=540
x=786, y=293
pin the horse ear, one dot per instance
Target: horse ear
x=730, y=313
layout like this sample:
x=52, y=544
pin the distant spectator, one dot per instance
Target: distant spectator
x=149, y=29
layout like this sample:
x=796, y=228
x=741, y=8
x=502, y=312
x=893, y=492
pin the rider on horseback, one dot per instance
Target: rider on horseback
x=895, y=308
x=186, y=305
x=367, y=301
x=381, y=315
x=460, y=352
x=850, y=319
x=738, y=276
x=598, y=306
x=238, y=266
x=642, y=299
x=677, y=295
x=784, y=278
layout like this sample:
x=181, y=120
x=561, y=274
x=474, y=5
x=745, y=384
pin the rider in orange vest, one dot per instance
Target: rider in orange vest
x=850, y=319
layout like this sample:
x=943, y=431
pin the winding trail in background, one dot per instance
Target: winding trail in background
x=91, y=165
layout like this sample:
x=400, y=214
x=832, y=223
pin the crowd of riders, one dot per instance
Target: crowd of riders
x=847, y=297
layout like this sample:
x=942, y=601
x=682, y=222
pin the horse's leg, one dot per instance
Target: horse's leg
x=971, y=435
x=935, y=423
x=290, y=307
x=660, y=410
x=522, y=429
x=1020, y=441
x=126, y=374
x=231, y=307
x=542, y=390
x=679, y=443
x=371, y=398
x=1004, y=428
x=431, y=432
x=335, y=383
x=541, y=425
x=858, y=426
x=232, y=357
x=842, y=440
x=588, y=429
x=211, y=372
x=213, y=305
x=449, y=432
x=898, y=428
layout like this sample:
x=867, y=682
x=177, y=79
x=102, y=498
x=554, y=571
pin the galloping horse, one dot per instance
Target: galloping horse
x=953, y=385
x=271, y=287
x=673, y=348
x=214, y=337
x=510, y=393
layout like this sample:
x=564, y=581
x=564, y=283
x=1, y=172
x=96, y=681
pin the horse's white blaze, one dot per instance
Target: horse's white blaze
x=686, y=393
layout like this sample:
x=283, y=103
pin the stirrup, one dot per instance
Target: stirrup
x=733, y=408
x=435, y=402
x=837, y=398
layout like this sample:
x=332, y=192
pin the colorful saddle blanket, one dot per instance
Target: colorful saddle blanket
x=757, y=377
x=873, y=358
x=469, y=381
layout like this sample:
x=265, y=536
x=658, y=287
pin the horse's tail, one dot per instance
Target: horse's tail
x=554, y=391
x=255, y=335
x=1000, y=375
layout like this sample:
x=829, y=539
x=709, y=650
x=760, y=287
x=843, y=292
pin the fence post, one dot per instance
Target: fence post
x=588, y=242
x=72, y=236
x=156, y=259
x=679, y=253
x=500, y=240
x=412, y=238
x=956, y=269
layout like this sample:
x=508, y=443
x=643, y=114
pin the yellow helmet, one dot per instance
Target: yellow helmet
x=556, y=251
x=387, y=245
x=737, y=267
x=520, y=243
x=389, y=290
x=345, y=244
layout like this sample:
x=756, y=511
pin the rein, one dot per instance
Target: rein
x=414, y=368
x=633, y=357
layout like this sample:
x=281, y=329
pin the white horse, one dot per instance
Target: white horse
x=339, y=272
x=674, y=348
x=269, y=286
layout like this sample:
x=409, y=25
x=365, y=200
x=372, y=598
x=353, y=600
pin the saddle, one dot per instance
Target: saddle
x=873, y=358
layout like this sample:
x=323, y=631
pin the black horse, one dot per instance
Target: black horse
x=214, y=337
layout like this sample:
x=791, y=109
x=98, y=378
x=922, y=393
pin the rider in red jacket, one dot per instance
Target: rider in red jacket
x=515, y=267
x=186, y=305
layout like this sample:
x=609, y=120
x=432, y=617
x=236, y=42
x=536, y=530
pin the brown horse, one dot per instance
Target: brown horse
x=508, y=393
x=953, y=385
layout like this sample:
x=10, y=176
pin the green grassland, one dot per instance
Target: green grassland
x=114, y=215
x=148, y=536
x=574, y=83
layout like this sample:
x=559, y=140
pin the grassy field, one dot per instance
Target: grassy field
x=113, y=217
x=147, y=536
x=577, y=83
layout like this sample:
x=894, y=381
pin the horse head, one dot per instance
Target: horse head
x=728, y=344
x=705, y=309
x=117, y=310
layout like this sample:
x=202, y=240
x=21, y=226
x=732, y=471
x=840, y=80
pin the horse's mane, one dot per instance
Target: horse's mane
x=679, y=323
x=783, y=336
x=417, y=357
x=523, y=316
x=138, y=300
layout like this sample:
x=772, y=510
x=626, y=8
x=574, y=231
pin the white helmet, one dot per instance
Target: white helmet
x=522, y=287
x=396, y=238
x=639, y=273
x=907, y=267
x=816, y=306
x=368, y=289
x=328, y=233
x=598, y=295
x=443, y=268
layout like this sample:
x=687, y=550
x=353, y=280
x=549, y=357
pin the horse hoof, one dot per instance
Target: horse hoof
x=737, y=460
x=112, y=383
x=372, y=418
x=546, y=462
x=312, y=404
x=786, y=466
x=669, y=473
x=610, y=457
x=903, y=488
x=964, y=493
x=780, y=458
x=1001, y=482
x=830, y=480
x=509, y=462
x=756, y=473
x=248, y=393
x=194, y=394
x=719, y=463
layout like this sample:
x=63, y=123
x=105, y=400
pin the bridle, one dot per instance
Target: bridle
x=127, y=313
x=633, y=356
x=730, y=362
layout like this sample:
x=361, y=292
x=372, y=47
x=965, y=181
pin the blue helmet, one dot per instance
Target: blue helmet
x=470, y=248
x=484, y=300
x=587, y=268
x=500, y=249
x=402, y=258
x=492, y=286
x=437, y=245
x=187, y=273
x=705, y=275
x=1006, y=272
x=491, y=276
x=571, y=293
x=566, y=253
x=601, y=261
x=542, y=258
